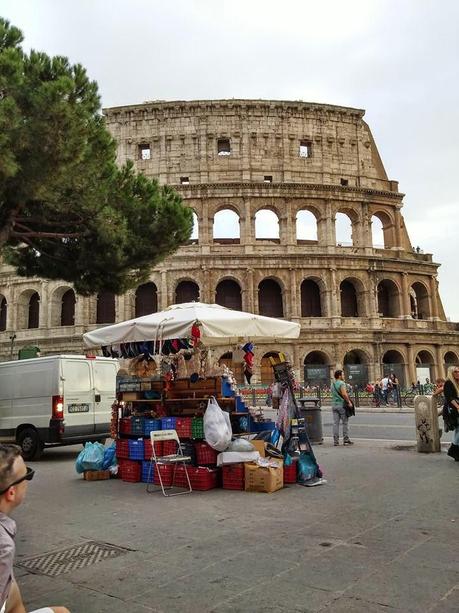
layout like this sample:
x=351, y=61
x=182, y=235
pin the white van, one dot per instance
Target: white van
x=56, y=400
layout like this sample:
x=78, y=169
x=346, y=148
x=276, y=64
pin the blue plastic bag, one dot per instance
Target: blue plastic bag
x=109, y=457
x=307, y=468
x=91, y=458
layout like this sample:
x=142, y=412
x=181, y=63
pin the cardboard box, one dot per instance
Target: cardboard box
x=129, y=396
x=260, y=446
x=96, y=475
x=261, y=479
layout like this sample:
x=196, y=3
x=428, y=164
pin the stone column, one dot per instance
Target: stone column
x=398, y=228
x=163, y=298
x=335, y=310
x=406, y=304
x=439, y=359
x=293, y=312
x=433, y=298
x=411, y=366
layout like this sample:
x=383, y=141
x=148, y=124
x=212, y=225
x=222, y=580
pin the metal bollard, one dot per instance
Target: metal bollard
x=426, y=416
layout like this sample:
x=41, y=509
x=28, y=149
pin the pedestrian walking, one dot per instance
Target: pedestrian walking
x=340, y=397
x=14, y=480
x=451, y=393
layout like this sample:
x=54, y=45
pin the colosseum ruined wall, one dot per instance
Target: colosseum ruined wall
x=370, y=308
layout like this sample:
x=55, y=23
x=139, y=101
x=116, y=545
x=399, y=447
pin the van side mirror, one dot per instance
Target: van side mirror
x=97, y=397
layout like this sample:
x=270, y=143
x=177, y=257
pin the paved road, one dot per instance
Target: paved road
x=385, y=426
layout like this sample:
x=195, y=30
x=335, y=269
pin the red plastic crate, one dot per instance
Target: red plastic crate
x=166, y=474
x=290, y=473
x=169, y=447
x=122, y=448
x=201, y=477
x=130, y=471
x=233, y=476
x=125, y=425
x=205, y=455
x=183, y=427
x=148, y=450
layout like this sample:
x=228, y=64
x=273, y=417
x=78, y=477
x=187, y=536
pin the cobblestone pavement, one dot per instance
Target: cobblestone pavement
x=382, y=535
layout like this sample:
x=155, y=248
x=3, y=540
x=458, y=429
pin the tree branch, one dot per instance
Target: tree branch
x=32, y=234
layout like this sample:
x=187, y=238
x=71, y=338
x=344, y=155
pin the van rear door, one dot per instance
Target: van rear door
x=78, y=397
x=105, y=393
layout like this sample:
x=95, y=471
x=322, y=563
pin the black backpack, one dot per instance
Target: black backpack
x=450, y=417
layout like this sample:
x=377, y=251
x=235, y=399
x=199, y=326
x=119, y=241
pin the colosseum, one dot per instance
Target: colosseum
x=368, y=307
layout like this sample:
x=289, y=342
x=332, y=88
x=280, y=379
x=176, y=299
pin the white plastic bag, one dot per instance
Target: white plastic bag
x=217, y=426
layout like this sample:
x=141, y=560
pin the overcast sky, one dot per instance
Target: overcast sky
x=398, y=60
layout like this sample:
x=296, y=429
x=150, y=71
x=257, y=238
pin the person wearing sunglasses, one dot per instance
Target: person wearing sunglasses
x=14, y=481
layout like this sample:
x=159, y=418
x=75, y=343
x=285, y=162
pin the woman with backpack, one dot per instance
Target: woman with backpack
x=451, y=409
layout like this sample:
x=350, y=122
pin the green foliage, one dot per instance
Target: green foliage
x=67, y=211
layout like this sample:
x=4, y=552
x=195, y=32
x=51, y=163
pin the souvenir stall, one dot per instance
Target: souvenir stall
x=168, y=380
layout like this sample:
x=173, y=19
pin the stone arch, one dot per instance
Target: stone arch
x=450, y=359
x=270, y=300
x=194, y=238
x=266, y=369
x=3, y=312
x=352, y=295
x=62, y=305
x=146, y=299
x=316, y=366
x=228, y=294
x=311, y=298
x=346, y=220
x=424, y=365
x=389, y=304
x=226, y=226
x=267, y=225
x=382, y=230
x=237, y=368
x=394, y=362
x=186, y=291
x=105, y=308
x=28, y=310
x=419, y=301
x=306, y=226
x=355, y=365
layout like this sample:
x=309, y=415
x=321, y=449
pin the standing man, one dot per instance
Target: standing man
x=14, y=478
x=339, y=397
x=386, y=386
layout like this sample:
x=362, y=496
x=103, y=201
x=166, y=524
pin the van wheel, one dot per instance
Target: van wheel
x=30, y=444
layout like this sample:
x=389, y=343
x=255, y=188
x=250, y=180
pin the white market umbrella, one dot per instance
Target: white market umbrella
x=218, y=325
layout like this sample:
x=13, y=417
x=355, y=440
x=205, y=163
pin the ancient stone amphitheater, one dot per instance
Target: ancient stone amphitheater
x=240, y=164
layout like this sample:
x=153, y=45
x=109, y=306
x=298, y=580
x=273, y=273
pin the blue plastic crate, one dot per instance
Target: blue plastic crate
x=137, y=425
x=261, y=426
x=136, y=450
x=145, y=471
x=167, y=423
x=227, y=391
x=150, y=425
x=240, y=405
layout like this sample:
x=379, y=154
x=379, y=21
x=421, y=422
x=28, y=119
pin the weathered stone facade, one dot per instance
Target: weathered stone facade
x=357, y=304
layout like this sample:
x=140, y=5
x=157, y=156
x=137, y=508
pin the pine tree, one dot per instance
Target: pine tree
x=67, y=211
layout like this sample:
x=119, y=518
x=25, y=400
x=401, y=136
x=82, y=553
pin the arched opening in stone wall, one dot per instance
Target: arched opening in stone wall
x=393, y=362
x=186, y=291
x=146, y=299
x=356, y=368
x=105, y=311
x=316, y=369
x=270, y=298
x=226, y=227
x=424, y=363
x=310, y=299
x=228, y=294
x=351, y=299
x=266, y=369
x=382, y=231
x=236, y=367
x=68, y=308
x=306, y=227
x=3, y=313
x=450, y=359
x=419, y=300
x=377, y=233
x=194, y=238
x=33, y=320
x=266, y=225
x=388, y=299
x=343, y=230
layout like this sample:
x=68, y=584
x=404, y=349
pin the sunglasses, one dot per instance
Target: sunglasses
x=27, y=477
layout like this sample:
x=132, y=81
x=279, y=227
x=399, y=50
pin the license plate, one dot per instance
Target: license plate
x=78, y=408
